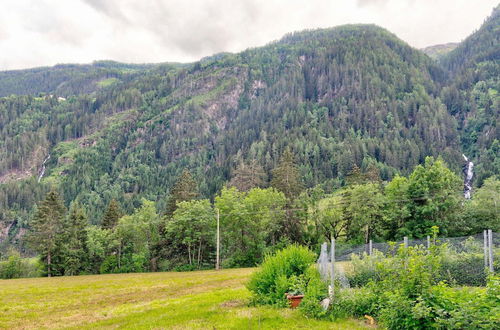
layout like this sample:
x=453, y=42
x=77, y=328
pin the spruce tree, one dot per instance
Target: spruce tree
x=286, y=177
x=75, y=241
x=248, y=176
x=185, y=189
x=46, y=229
x=112, y=215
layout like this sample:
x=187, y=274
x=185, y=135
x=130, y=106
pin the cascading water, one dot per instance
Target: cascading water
x=468, y=174
x=42, y=170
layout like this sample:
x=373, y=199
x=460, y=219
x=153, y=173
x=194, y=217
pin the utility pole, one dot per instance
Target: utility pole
x=217, y=263
x=332, y=265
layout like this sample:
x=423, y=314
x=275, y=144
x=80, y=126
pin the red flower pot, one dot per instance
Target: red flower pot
x=294, y=301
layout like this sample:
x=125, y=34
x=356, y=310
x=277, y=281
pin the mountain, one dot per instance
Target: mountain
x=339, y=97
x=438, y=51
x=471, y=94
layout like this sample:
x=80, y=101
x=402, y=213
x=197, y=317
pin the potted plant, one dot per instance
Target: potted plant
x=296, y=290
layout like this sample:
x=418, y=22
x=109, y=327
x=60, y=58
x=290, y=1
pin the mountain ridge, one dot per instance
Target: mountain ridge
x=350, y=96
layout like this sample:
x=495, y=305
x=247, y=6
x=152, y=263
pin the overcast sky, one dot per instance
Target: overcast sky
x=47, y=32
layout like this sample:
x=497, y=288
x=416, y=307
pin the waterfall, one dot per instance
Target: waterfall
x=468, y=174
x=42, y=170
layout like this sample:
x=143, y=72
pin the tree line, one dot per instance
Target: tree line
x=256, y=220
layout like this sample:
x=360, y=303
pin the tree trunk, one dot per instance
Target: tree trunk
x=199, y=254
x=367, y=234
x=189, y=253
x=49, y=261
x=119, y=255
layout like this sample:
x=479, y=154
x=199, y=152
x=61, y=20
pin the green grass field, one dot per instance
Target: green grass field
x=203, y=299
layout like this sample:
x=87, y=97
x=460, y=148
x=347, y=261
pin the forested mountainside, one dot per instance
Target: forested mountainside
x=68, y=79
x=471, y=94
x=339, y=97
x=438, y=51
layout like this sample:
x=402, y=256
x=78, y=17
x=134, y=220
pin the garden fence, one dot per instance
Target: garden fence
x=476, y=256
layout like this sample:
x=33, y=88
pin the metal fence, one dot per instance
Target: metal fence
x=484, y=245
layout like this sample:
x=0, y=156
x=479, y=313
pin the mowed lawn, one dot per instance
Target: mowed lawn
x=203, y=299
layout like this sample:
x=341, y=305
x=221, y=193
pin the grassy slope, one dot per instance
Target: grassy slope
x=204, y=299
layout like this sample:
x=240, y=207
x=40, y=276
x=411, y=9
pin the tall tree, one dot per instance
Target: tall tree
x=434, y=193
x=193, y=228
x=248, y=176
x=185, y=189
x=286, y=177
x=363, y=209
x=112, y=214
x=75, y=241
x=46, y=230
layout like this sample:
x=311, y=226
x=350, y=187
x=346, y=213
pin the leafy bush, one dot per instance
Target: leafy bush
x=269, y=284
x=464, y=269
x=405, y=293
x=363, y=268
x=316, y=290
x=17, y=267
x=464, y=308
x=354, y=302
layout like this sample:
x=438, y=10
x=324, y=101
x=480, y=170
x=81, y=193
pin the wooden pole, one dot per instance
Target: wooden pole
x=406, y=241
x=217, y=263
x=332, y=265
x=370, y=247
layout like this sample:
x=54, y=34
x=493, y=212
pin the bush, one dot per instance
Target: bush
x=363, y=268
x=269, y=284
x=464, y=308
x=354, y=302
x=17, y=267
x=405, y=293
x=464, y=269
x=316, y=290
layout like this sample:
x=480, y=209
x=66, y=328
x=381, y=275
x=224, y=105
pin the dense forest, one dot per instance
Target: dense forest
x=353, y=112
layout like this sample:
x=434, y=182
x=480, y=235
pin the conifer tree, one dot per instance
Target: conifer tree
x=355, y=176
x=113, y=213
x=185, y=189
x=248, y=176
x=75, y=241
x=46, y=233
x=286, y=176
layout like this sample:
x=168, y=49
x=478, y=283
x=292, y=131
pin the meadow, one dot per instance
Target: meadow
x=176, y=300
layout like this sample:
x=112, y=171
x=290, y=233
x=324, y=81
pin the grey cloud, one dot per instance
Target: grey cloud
x=186, y=30
x=110, y=8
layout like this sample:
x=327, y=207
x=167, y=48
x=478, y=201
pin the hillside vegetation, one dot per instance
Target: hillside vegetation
x=346, y=100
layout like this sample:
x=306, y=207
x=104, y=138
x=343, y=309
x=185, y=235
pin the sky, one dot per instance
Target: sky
x=47, y=32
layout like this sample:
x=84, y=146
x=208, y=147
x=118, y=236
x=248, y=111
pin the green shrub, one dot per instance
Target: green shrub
x=405, y=294
x=355, y=302
x=270, y=283
x=315, y=292
x=364, y=268
x=17, y=267
x=464, y=308
x=464, y=269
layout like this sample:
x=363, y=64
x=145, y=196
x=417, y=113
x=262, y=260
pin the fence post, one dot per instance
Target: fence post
x=490, y=247
x=485, y=248
x=370, y=247
x=428, y=242
x=406, y=241
x=332, y=265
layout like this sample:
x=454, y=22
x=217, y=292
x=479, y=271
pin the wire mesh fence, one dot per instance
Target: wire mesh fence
x=467, y=260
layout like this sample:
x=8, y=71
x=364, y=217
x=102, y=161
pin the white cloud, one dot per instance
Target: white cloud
x=46, y=32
